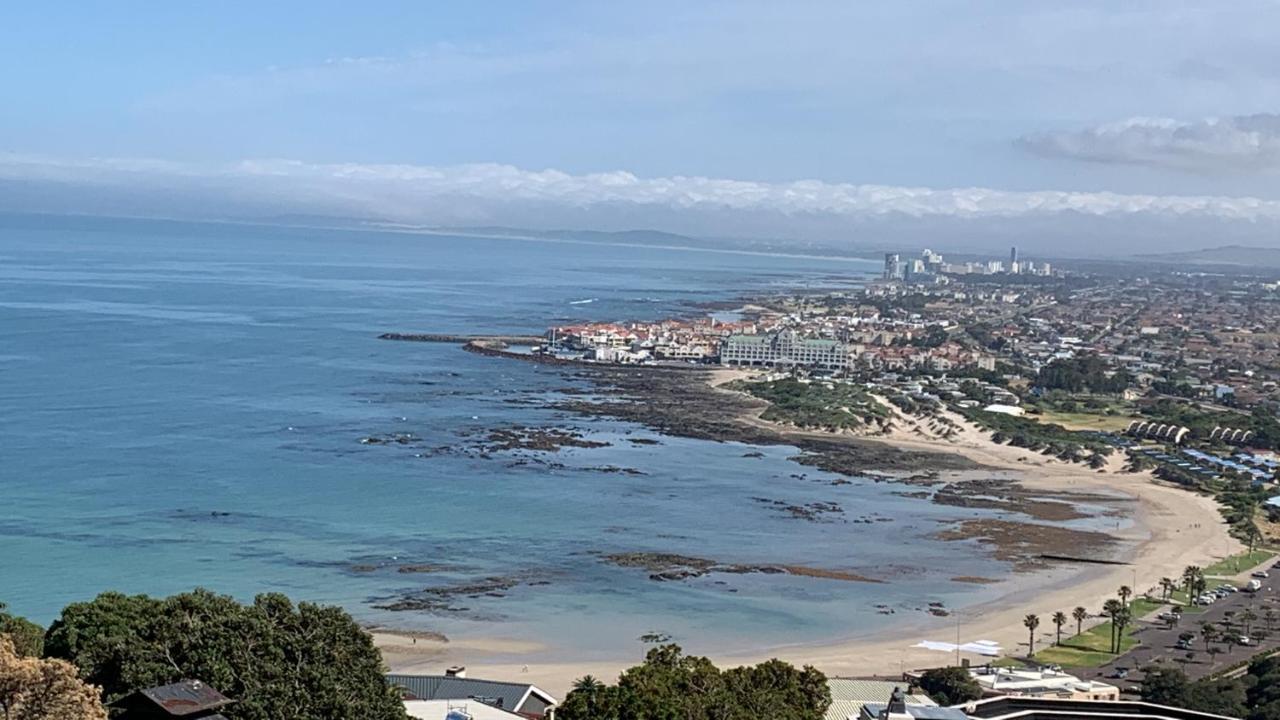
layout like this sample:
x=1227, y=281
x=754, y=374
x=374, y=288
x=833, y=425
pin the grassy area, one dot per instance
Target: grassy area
x=1091, y=648
x=1180, y=597
x=1237, y=564
x=1083, y=420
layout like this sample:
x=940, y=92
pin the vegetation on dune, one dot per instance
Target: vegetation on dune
x=1045, y=438
x=670, y=684
x=818, y=404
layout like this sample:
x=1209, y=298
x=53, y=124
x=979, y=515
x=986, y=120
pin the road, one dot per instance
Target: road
x=1159, y=640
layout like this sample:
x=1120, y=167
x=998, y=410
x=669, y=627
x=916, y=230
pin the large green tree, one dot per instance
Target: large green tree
x=280, y=661
x=27, y=637
x=670, y=684
x=950, y=685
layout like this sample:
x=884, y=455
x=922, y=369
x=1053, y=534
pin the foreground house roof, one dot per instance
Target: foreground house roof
x=1028, y=708
x=183, y=699
x=509, y=696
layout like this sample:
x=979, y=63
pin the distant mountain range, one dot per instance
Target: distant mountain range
x=1235, y=255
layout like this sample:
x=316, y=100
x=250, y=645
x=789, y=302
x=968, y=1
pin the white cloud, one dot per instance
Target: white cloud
x=1229, y=144
x=490, y=192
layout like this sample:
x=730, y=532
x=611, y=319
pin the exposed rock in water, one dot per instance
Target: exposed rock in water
x=665, y=567
x=1022, y=543
x=813, y=512
x=541, y=439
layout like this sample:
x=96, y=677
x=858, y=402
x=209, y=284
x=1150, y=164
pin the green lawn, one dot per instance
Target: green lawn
x=1238, y=563
x=1092, y=647
x=1084, y=421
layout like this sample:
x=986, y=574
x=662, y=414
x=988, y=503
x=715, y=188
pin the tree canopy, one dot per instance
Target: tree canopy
x=280, y=661
x=27, y=637
x=669, y=684
x=950, y=685
x=35, y=689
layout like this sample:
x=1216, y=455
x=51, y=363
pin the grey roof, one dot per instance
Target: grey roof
x=504, y=695
x=849, y=695
x=919, y=712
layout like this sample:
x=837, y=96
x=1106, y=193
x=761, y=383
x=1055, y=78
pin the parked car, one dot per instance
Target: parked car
x=1245, y=640
x=1183, y=644
x=1119, y=673
x=1260, y=574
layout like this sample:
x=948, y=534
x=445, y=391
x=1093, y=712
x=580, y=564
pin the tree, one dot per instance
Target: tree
x=1167, y=586
x=1125, y=592
x=1080, y=614
x=27, y=637
x=950, y=685
x=35, y=689
x=1170, y=686
x=280, y=661
x=1110, y=609
x=1189, y=576
x=1208, y=633
x=669, y=684
x=1031, y=622
x=1247, y=619
x=589, y=690
x=1121, y=620
x=1059, y=619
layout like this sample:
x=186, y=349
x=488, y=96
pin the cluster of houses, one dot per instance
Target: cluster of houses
x=1008, y=694
x=779, y=342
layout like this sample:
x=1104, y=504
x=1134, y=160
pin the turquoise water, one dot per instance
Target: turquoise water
x=182, y=406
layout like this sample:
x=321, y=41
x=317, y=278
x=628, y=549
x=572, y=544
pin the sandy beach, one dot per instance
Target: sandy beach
x=1169, y=529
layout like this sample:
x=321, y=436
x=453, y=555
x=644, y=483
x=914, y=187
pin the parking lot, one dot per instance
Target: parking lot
x=1160, y=641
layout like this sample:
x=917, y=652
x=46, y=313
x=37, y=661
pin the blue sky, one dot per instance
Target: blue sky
x=1135, y=98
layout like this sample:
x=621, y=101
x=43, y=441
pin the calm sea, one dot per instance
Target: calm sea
x=181, y=405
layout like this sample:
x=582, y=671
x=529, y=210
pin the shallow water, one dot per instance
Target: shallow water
x=182, y=406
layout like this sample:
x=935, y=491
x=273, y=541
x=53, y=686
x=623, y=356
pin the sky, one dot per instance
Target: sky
x=860, y=122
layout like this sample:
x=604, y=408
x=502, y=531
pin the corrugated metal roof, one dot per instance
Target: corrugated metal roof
x=505, y=695
x=849, y=695
x=186, y=697
x=923, y=712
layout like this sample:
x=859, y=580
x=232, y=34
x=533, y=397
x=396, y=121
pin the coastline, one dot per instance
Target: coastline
x=1170, y=528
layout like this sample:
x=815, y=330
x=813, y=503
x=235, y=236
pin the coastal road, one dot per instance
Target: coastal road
x=1159, y=641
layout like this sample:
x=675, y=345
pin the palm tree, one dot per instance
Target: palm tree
x=1121, y=621
x=1167, y=586
x=1031, y=622
x=1111, y=609
x=1080, y=614
x=1059, y=619
x=589, y=686
x=1175, y=615
x=1125, y=592
x=1189, y=576
x=1247, y=619
x=1208, y=633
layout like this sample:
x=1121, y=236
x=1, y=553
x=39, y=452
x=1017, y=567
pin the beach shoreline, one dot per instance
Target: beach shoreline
x=1169, y=529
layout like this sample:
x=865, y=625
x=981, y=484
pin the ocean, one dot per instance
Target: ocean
x=181, y=405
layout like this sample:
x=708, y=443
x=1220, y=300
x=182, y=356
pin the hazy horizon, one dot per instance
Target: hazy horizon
x=1087, y=130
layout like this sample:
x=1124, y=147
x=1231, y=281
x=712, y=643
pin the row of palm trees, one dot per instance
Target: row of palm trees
x=1116, y=610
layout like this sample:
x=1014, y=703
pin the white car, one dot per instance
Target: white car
x=1260, y=574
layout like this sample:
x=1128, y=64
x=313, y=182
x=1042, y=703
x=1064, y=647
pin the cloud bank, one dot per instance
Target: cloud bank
x=490, y=194
x=1245, y=143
